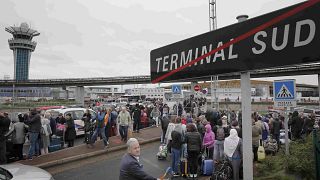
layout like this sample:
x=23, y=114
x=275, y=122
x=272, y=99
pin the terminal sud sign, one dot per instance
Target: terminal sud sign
x=280, y=38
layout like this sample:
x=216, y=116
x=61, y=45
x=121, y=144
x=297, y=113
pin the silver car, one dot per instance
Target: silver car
x=16, y=171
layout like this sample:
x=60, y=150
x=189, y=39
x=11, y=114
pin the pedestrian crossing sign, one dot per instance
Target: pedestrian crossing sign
x=284, y=93
x=176, y=89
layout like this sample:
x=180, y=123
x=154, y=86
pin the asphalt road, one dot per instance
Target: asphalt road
x=108, y=168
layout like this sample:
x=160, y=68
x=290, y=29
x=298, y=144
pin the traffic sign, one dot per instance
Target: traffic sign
x=289, y=34
x=176, y=89
x=284, y=92
x=197, y=87
x=205, y=90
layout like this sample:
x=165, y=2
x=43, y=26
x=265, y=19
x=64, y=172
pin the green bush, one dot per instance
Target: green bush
x=301, y=161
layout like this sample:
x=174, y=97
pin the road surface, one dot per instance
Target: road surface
x=108, y=166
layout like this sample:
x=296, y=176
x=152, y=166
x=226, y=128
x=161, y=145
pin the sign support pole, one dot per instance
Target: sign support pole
x=13, y=95
x=246, y=126
x=212, y=105
x=319, y=87
x=286, y=119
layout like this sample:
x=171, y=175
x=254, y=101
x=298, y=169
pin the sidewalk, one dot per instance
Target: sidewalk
x=82, y=151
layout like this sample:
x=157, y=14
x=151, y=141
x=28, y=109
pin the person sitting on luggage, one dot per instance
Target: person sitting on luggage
x=208, y=140
x=233, y=150
x=130, y=168
x=193, y=140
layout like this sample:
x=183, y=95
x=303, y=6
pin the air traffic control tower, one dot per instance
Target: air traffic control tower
x=22, y=46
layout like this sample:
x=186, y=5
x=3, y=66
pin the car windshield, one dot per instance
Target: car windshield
x=4, y=174
x=54, y=114
x=76, y=115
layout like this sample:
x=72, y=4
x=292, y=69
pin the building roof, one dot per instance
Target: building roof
x=22, y=29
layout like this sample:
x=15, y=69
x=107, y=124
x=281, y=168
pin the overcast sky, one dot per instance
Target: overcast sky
x=103, y=38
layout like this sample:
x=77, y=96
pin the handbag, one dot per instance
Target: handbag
x=261, y=152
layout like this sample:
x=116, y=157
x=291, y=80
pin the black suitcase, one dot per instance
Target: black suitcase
x=56, y=143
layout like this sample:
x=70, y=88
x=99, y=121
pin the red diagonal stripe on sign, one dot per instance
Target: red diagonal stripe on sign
x=242, y=37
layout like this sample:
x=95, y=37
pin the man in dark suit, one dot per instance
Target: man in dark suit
x=130, y=168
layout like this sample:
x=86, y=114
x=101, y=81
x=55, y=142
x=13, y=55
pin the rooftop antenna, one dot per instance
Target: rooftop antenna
x=212, y=15
x=214, y=79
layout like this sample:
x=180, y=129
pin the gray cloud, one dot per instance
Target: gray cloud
x=81, y=38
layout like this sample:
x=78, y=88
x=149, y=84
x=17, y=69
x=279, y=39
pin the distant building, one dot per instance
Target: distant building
x=22, y=46
x=25, y=93
x=260, y=90
x=149, y=93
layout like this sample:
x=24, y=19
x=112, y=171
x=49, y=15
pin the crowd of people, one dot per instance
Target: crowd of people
x=218, y=135
x=36, y=127
x=39, y=129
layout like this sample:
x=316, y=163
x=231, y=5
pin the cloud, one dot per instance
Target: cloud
x=81, y=38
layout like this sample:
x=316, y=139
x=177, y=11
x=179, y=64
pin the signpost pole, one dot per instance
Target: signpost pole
x=246, y=126
x=247, y=122
x=286, y=119
x=319, y=87
x=212, y=105
x=216, y=103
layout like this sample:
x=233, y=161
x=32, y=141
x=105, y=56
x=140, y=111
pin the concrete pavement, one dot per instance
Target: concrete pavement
x=82, y=151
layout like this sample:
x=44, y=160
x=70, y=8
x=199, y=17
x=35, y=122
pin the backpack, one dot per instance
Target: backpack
x=220, y=134
x=45, y=130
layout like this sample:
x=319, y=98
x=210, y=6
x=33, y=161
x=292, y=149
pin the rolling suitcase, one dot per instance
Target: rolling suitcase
x=184, y=169
x=207, y=166
x=56, y=144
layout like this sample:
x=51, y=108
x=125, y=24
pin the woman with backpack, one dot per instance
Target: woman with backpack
x=233, y=150
x=45, y=133
x=218, y=145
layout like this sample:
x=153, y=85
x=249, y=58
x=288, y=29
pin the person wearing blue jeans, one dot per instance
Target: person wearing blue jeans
x=100, y=128
x=124, y=120
x=176, y=149
x=175, y=158
x=123, y=130
x=101, y=132
x=34, y=144
x=34, y=122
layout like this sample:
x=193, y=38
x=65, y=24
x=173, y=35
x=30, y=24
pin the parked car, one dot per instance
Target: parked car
x=76, y=114
x=17, y=171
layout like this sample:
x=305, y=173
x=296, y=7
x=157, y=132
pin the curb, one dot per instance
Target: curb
x=91, y=154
